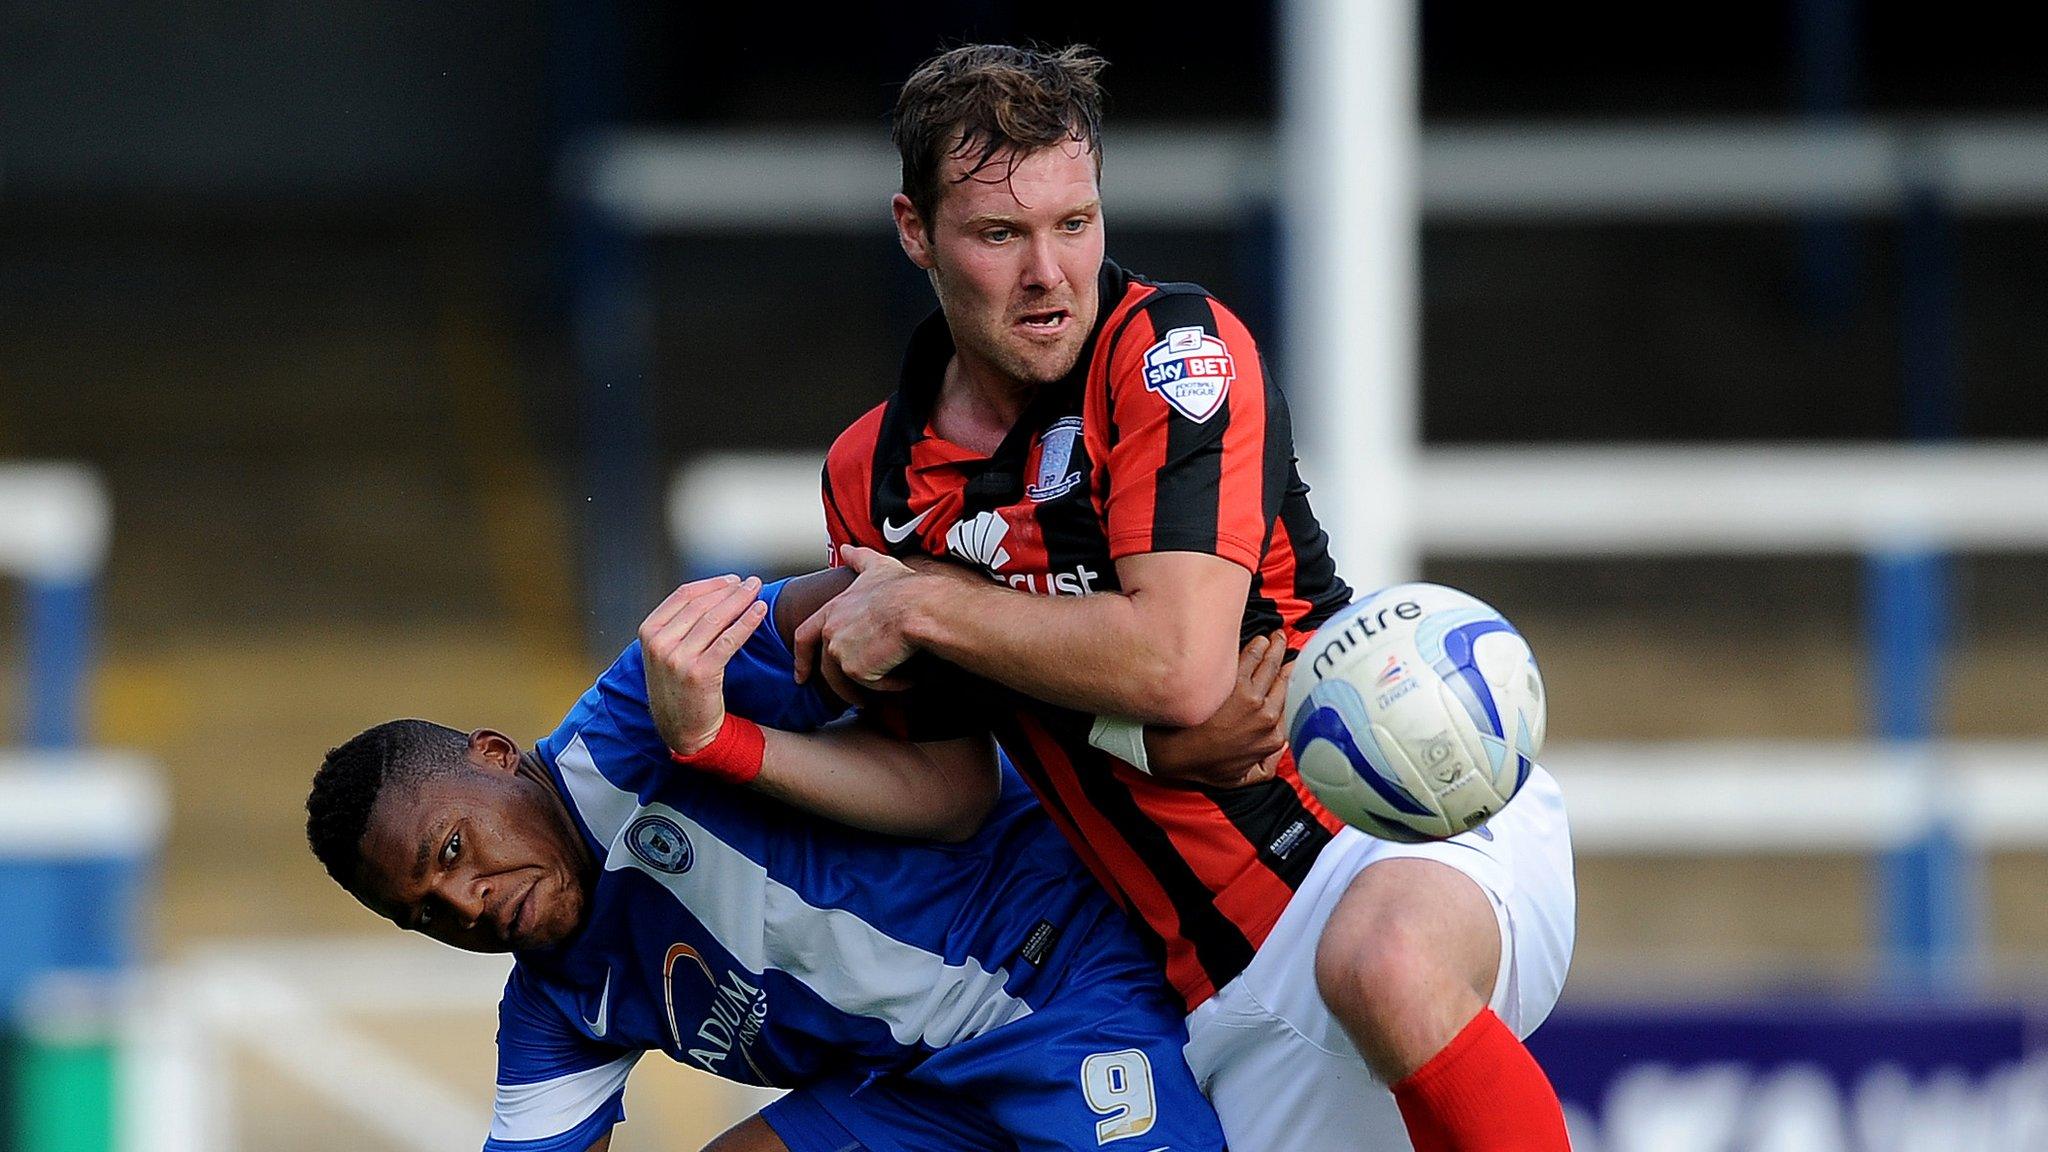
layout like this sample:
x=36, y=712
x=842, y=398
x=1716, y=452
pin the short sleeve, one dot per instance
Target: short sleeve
x=760, y=681
x=610, y=731
x=1187, y=406
x=843, y=486
x=760, y=684
x=558, y=1090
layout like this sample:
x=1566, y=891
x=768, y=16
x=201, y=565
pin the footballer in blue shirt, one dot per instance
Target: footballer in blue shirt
x=971, y=989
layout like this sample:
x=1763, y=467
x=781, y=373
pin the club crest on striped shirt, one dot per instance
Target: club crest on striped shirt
x=1192, y=370
x=660, y=844
x=1055, y=453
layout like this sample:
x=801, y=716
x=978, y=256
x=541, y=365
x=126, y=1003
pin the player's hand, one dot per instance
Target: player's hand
x=857, y=639
x=686, y=643
x=1242, y=743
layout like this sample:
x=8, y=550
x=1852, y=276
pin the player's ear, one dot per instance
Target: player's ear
x=494, y=749
x=911, y=231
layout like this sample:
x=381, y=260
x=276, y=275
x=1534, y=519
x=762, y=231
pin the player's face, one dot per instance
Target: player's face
x=1014, y=260
x=482, y=859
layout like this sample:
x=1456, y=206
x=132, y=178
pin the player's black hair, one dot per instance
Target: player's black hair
x=353, y=775
x=978, y=99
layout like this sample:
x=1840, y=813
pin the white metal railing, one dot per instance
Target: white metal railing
x=288, y=1004
x=839, y=179
x=1751, y=498
x=738, y=510
x=71, y=804
x=1801, y=797
x=310, y=1010
x=1643, y=500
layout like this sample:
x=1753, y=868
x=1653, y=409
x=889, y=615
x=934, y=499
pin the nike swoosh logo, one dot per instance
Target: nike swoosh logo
x=604, y=1008
x=898, y=533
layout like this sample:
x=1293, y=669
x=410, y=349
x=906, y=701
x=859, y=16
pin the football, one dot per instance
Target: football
x=1416, y=713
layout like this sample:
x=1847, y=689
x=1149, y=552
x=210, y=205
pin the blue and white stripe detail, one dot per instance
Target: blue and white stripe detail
x=765, y=924
x=809, y=947
x=563, y=1112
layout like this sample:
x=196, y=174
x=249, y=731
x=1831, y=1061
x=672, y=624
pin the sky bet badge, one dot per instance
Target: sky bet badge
x=1192, y=369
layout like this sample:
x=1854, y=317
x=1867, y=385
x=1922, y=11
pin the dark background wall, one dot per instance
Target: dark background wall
x=254, y=241
x=278, y=99
x=237, y=125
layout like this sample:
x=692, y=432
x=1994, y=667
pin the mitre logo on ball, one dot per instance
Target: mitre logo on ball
x=1416, y=713
x=1192, y=370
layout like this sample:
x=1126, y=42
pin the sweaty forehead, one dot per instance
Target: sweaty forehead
x=1055, y=179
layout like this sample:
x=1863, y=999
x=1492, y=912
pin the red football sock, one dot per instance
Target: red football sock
x=1482, y=1093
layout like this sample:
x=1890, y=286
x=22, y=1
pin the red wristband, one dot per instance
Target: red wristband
x=734, y=754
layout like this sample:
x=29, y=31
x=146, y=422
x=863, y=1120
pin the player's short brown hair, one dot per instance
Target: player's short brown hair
x=979, y=99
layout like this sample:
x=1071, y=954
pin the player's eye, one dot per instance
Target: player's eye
x=451, y=849
x=997, y=235
x=1077, y=224
x=423, y=918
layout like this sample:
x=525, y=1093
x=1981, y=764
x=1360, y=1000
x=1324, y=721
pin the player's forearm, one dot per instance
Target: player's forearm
x=867, y=779
x=1111, y=652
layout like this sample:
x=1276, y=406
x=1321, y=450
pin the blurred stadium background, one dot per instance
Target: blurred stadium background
x=364, y=359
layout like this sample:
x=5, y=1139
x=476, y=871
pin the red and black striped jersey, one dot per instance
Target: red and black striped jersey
x=1167, y=436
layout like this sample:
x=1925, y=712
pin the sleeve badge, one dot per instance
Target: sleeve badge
x=1192, y=370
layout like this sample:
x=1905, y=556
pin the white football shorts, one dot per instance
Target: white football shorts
x=1280, y=1069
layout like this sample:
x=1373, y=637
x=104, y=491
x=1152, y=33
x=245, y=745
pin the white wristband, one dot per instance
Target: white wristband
x=1122, y=738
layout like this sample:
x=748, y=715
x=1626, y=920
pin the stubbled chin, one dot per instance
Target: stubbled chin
x=1047, y=363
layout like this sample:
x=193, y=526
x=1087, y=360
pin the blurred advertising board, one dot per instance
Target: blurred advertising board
x=1800, y=1076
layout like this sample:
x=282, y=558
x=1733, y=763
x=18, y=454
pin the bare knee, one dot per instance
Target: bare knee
x=1409, y=956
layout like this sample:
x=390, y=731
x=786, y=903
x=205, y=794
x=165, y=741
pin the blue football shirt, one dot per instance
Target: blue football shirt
x=767, y=946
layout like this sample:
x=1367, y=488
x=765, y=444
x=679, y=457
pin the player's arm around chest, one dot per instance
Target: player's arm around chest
x=1161, y=650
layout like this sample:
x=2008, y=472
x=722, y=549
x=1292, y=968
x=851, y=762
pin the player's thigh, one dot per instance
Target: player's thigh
x=1277, y=1090
x=1519, y=864
x=1275, y=1059
x=1091, y=1069
x=1411, y=939
x=1530, y=881
x=888, y=1114
x=1283, y=1073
